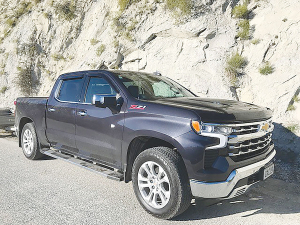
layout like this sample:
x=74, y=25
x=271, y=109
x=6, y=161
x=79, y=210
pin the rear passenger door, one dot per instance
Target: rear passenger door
x=61, y=111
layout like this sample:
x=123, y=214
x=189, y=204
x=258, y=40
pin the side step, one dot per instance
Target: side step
x=86, y=165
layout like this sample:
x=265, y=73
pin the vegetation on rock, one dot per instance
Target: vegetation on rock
x=234, y=64
x=3, y=89
x=240, y=11
x=100, y=50
x=66, y=10
x=266, y=69
x=244, y=29
x=25, y=80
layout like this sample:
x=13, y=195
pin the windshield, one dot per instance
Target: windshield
x=150, y=87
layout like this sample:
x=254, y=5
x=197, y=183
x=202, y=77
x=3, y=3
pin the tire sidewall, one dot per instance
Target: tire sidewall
x=173, y=185
x=35, y=143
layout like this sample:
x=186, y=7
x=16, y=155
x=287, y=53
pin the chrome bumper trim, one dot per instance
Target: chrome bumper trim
x=223, y=189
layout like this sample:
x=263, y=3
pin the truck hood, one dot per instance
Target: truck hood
x=220, y=110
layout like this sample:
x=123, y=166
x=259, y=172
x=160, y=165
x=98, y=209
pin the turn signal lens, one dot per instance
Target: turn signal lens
x=196, y=126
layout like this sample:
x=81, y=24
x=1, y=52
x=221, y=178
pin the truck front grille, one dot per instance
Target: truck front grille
x=249, y=129
x=249, y=141
x=244, y=142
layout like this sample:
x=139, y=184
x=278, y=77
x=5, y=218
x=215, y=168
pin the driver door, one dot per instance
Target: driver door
x=98, y=130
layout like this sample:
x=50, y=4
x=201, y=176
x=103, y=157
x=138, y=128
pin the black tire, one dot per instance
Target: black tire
x=179, y=186
x=34, y=152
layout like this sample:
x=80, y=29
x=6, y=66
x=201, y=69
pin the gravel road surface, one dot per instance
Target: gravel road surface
x=56, y=192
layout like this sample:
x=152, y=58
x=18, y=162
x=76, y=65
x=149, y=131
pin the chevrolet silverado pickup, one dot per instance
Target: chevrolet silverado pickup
x=148, y=129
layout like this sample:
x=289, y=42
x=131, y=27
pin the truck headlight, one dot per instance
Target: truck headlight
x=211, y=128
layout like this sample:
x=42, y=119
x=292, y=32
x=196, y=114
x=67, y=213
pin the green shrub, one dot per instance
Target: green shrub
x=291, y=108
x=94, y=41
x=100, y=50
x=266, y=69
x=47, y=15
x=11, y=22
x=37, y=1
x=293, y=128
x=240, y=11
x=58, y=57
x=244, y=29
x=255, y=41
x=24, y=7
x=184, y=6
x=25, y=80
x=127, y=35
x=234, y=64
x=296, y=99
x=132, y=26
x=66, y=10
x=116, y=43
x=123, y=4
x=3, y=89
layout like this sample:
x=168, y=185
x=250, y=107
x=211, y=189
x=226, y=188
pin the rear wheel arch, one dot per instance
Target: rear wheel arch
x=138, y=145
x=22, y=123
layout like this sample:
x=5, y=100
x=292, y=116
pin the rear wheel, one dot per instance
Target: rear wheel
x=29, y=141
x=160, y=182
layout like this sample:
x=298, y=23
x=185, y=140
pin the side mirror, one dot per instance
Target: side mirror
x=103, y=101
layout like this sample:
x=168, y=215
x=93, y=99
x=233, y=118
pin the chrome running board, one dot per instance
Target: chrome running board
x=94, y=167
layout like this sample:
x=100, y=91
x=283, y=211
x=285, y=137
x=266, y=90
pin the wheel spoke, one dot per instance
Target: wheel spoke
x=152, y=169
x=142, y=178
x=148, y=198
x=165, y=192
x=143, y=185
x=154, y=200
x=164, y=179
x=162, y=197
x=146, y=169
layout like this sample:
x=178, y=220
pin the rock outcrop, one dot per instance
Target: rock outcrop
x=53, y=37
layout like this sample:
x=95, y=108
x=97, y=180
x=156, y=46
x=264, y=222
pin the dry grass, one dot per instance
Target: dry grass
x=3, y=89
x=240, y=11
x=25, y=80
x=244, y=29
x=266, y=69
x=184, y=6
x=234, y=64
x=100, y=50
x=66, y=10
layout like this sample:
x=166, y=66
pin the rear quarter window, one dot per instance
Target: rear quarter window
x=70, y=90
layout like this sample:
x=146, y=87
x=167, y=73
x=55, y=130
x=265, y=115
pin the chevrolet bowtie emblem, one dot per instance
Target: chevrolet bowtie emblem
x=265, y=127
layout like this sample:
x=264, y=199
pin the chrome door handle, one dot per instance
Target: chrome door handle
x=51, y=110
x=82, y=113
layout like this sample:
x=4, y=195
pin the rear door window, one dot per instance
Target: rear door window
x=99, y=86
x=70, y=90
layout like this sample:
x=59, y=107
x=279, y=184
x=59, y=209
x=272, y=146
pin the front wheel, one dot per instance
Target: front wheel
x=29, y=142
x=160, y=182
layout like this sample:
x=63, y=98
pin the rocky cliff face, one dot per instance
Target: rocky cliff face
x=42, y=39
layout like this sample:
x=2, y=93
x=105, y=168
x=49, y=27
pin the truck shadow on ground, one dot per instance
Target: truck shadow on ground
x=270, y=197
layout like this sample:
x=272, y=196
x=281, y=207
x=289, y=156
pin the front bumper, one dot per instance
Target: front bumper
x=227, y=188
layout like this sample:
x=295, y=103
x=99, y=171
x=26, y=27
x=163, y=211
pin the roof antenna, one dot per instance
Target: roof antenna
x=157, y=73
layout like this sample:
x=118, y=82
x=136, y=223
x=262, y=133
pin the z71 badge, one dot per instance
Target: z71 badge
x=137, y=107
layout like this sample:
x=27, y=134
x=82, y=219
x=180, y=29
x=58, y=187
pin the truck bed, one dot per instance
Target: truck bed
x=35, y=109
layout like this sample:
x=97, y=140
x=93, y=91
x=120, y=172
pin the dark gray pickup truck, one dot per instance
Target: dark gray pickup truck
x=173, y=145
